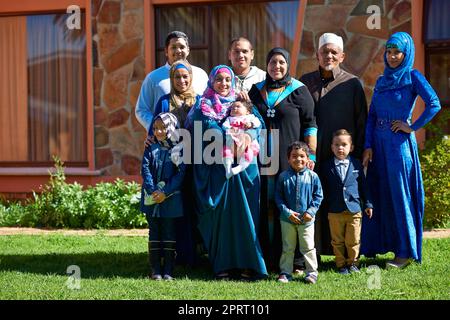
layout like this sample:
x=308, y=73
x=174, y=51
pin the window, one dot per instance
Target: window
x=43, y=91
x=211, y=27
x=437, y=50
x=437, y=23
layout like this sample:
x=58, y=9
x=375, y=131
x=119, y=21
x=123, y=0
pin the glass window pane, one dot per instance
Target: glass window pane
x=190, y=20
x=440, y=74
x=56, y=89
x=438, y=20
x=266, y=24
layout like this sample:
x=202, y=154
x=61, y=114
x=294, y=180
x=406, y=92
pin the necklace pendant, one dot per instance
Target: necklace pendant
x=270, y=113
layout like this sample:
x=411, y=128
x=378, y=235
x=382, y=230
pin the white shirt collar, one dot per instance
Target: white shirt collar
x=345, y=161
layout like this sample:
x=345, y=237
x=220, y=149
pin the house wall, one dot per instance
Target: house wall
x=119, y=69
x=120, y=59
x=121, y=38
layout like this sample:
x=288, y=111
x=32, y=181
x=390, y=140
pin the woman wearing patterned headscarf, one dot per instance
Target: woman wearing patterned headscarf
x=286, y=105
x=228, y=209
x=180, y=101
x=391, y=155
x=161, y=195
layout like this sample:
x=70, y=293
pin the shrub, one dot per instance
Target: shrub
x=64, y=205
x=436, y=180
x=435, y=162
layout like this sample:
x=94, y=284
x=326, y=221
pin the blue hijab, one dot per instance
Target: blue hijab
x=394, y=78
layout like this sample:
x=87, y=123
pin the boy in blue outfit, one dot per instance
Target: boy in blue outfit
x=298, y=196
x=347, y=195
x=161, y=196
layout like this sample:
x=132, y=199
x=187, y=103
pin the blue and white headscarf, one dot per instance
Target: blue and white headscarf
x=170, y=123
x=400, y=76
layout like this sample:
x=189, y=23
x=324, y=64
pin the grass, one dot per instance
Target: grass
x=34, y=267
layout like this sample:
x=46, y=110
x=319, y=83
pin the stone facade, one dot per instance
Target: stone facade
x=363, y=46
x=119, y=70
x=119, y=66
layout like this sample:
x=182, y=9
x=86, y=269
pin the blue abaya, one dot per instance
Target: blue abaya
x=228, y=211
x=394, y=175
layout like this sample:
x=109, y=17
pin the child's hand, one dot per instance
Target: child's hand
x=248, y=125
x=369, y=212
x=158, y=196
x=294, y=218
x=307, y=217
x=310, y=164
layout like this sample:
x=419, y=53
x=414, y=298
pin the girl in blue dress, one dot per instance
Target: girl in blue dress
x=161, y=195
x=391, y=154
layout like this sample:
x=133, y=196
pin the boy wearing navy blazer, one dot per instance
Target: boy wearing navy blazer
x=347, y=195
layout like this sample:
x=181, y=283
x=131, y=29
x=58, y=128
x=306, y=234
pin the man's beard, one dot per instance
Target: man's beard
x=329, y=67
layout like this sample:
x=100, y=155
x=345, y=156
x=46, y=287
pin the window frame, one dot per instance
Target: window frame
x=435, y=50
x=32, y=7
x=150, y=19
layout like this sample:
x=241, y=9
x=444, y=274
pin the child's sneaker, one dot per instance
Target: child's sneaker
x=283, y=278
x=353, y=269
x=343, y=270
x=311, y=278
x=156, y=277
x=168, y=277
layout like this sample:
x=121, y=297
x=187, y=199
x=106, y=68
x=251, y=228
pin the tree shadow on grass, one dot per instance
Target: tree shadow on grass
x=95, y=265
x=328, y=264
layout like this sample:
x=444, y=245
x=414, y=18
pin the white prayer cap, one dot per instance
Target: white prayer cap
x=331, y=38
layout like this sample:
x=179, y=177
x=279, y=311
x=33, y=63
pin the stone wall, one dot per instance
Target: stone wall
x=363, y=47
x=119, y=69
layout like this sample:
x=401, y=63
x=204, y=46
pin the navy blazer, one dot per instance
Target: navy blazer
x=352, y=194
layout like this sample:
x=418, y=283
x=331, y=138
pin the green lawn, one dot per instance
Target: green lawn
x=34, y=267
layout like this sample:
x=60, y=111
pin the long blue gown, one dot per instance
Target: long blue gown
x=228, y=212
x=394, y=175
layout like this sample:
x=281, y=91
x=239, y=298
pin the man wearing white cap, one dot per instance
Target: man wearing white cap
x=340, y=103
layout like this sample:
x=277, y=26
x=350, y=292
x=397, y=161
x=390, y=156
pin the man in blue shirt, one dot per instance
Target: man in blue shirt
x=157, y=82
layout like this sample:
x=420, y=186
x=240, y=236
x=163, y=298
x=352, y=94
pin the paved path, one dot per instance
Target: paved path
x=436, y=233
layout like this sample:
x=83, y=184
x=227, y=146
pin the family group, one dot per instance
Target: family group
x=348, y=179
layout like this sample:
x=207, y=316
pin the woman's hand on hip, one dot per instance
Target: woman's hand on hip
x=398, y=125
x=367, y=157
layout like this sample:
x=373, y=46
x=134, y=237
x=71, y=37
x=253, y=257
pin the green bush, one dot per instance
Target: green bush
x=12, y=214
x=64, y=205
x=436, y=180
x=435, y=162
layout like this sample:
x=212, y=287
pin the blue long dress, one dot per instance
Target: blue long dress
x=394, y=175
x=228, y=211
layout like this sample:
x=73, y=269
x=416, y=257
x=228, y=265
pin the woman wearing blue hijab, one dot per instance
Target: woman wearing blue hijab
x=392, y=159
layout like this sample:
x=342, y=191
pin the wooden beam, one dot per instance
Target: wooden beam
x=298, y=36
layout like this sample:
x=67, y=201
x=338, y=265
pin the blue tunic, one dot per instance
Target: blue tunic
x=228, y=211
x=394, y=175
